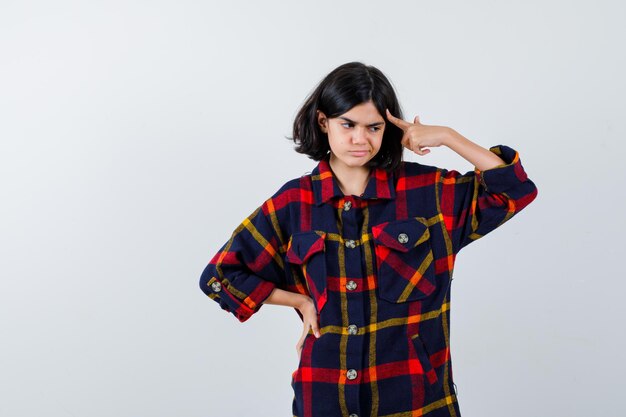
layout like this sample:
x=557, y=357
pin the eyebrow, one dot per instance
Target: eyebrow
x=354, y=123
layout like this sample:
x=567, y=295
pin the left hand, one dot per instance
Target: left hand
x=310, y=320
x=417, y=136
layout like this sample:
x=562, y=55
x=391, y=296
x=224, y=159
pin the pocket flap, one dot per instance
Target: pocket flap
x=401, y=235
x=304, y=244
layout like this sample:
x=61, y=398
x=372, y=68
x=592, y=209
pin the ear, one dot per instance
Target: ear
x=322, y=121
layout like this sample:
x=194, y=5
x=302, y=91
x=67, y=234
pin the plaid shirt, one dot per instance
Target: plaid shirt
x=378, y=267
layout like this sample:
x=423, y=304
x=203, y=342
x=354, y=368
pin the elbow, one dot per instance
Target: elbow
x=528, y=195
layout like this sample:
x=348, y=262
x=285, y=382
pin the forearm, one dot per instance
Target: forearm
x=475, y=154
x=285, y=298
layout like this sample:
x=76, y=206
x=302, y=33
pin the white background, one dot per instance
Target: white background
x=136, y=135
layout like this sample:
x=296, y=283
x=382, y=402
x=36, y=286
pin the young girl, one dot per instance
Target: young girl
x=363, y=249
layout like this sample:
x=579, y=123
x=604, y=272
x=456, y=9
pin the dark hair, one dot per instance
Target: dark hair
x=344, y=87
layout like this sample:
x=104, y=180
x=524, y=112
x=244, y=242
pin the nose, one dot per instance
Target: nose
x=360, y=135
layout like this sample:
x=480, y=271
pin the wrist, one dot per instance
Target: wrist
x=301, y=300
x=450, y=137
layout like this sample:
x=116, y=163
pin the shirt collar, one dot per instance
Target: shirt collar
x=325, y=185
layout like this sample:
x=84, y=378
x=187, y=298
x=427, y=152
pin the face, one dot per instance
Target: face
x=354, y=137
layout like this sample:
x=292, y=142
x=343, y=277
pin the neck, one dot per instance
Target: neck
x=351, y=180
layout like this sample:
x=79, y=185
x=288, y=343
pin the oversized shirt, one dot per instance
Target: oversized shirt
x=378, y=267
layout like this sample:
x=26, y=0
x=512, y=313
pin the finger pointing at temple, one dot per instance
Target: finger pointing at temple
x=402, y=124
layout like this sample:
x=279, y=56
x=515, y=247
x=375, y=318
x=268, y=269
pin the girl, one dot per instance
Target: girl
x=363, y=249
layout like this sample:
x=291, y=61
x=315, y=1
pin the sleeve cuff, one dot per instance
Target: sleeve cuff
x=243, y=305
x=505, y=176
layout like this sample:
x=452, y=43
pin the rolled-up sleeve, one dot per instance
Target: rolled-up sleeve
x=477, y=202
x=245, y=270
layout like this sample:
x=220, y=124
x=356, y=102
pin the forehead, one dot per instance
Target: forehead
x=365, y=113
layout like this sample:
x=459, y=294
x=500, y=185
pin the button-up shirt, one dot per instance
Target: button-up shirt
x=378, y=267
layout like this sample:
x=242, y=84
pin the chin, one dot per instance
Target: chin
x=357, y=162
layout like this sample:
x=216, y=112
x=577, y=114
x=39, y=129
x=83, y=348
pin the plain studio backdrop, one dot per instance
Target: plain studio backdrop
x=135, y=137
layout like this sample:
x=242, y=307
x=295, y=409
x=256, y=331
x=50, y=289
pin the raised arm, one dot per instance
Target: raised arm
x=479, y=201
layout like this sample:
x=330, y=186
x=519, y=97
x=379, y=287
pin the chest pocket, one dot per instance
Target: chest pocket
x=404, y=260
x=306, y=250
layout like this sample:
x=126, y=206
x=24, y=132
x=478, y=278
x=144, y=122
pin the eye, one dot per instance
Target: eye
x=349, y=125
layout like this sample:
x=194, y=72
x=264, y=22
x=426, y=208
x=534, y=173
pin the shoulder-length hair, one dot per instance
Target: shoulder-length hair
x=344, y=87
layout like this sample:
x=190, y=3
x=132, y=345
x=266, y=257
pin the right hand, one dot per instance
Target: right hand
x=417, y=135
x=309, y=316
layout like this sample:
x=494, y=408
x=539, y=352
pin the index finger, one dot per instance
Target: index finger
x=402, y=124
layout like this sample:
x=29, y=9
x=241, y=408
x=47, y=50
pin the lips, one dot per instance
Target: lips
x=359, y=153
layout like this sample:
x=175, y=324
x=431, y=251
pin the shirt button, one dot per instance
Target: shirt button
x=403, y=238
x=347, y=205
x=352, y=329
x=351, y=285
x=217, y=287
x=353, y=415
x=351, y=374
x=350, y=243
